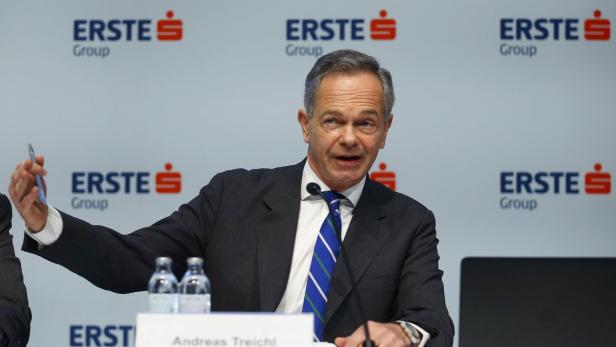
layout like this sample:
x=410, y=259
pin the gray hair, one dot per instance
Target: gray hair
x=350, y=62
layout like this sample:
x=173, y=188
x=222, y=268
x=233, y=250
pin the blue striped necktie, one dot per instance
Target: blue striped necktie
x=322, y=266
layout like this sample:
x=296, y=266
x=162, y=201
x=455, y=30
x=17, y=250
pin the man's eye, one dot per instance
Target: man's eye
x=366, y=124
x=330, y=121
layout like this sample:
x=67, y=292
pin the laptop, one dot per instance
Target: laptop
x=542, y=302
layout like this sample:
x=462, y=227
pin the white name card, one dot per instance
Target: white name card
x=224, y=330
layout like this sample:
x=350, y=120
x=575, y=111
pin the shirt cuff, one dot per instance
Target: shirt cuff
x=52, y=229
x=425, y=336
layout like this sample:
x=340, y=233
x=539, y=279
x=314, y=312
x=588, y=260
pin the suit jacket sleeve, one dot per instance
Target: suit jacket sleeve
x=14, y=311
x=123, y=263
x=421, y=295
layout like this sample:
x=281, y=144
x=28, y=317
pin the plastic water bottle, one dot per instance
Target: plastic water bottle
x=163, y=288
x=195, y=288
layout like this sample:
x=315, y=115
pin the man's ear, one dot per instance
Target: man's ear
x=302, y=119
x=390, y=119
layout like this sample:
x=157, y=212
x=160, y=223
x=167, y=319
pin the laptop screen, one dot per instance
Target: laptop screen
x=526, y=302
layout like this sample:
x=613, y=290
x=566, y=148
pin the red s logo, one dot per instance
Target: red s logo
x=383, y=28
x=170, y=29
x=597, y=29
x=598, y=182
x=386, y=178
x=168, y=182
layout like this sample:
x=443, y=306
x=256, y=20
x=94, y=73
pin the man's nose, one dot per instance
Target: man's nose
x=348, y=137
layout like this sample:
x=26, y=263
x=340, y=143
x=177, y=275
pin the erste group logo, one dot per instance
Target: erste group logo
x=101, y=335
x=122, y=30
x=89, y=186
x=307, y=30
x=518, y=188
x=519, y=30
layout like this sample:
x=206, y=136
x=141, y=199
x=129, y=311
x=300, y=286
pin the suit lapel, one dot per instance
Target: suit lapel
x=277, y=225
x=365, y=237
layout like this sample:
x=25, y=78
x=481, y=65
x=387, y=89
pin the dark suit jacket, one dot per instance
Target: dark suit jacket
x=243, y=224
x=14, y=312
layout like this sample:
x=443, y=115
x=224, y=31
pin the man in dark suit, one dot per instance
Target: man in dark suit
x=260, y=231
x=14, y=311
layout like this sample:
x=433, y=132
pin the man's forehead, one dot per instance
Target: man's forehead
x=361, y=84
x=361, y=90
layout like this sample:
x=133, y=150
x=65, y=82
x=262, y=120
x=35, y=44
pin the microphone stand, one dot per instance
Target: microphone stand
x=315, y=189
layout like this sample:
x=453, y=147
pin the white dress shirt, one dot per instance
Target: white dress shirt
x=312, y=213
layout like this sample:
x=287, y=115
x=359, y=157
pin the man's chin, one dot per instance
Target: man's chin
x=345, y=182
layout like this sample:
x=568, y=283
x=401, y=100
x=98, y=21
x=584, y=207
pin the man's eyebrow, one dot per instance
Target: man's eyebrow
x=332, y=113
x=370, y=112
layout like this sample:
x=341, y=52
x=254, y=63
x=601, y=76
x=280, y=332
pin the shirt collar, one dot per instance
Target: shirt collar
x=352, y=194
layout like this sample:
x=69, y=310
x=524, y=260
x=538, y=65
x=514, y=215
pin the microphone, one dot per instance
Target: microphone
x=315, y=189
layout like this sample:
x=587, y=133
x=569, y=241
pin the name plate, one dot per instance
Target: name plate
x=224, y=330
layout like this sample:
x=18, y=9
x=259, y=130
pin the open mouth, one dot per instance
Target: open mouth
x=349, y=159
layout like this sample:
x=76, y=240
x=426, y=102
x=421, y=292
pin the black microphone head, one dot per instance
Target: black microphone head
x=313, y=188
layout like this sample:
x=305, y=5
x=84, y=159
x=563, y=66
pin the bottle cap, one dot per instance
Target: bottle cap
x=194, y=261
x=163, y=261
